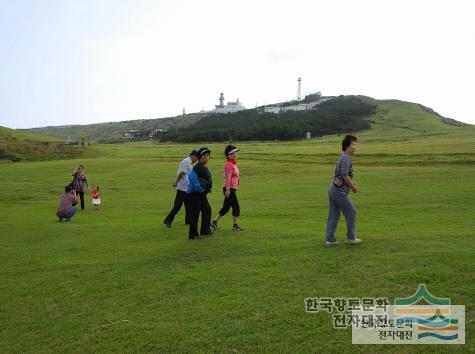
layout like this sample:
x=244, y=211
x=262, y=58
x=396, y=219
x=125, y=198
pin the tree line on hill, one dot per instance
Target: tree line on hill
x=336, y=116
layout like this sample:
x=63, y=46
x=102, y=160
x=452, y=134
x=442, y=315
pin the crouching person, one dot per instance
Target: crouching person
x=67, y=205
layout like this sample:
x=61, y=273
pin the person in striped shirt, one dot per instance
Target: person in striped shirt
x=338, y=200
x=79, y=182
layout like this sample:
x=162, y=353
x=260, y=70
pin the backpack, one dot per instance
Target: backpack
x=73, y=181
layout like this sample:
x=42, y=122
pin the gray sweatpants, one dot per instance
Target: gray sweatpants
x=339, y=202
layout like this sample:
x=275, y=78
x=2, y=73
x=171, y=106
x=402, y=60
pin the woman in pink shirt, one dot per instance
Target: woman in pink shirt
x=231, y=184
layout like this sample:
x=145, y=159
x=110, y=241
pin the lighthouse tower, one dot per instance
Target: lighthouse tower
x=299, y=89
x=221, y=100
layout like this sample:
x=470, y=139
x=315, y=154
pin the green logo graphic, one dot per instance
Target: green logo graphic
x=422, y=294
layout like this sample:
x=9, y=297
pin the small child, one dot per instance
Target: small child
x=96, y=199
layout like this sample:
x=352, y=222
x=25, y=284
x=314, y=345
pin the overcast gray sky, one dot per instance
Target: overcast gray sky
x=78, y=62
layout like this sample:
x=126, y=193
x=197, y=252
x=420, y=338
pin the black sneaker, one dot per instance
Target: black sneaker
x=214, y=224
x=167, y=224
x=236, y=227
x=207, y=233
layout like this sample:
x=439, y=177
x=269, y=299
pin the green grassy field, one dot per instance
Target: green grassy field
x=117, y=280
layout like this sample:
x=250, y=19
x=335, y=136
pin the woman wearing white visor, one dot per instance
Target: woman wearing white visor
x=231, y=184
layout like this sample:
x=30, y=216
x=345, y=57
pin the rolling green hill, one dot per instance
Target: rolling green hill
x=112, y=132
x=399, y=118
x=16, y=145
x=392, y=118
x=335, y=116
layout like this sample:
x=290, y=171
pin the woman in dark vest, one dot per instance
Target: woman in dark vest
x=200, y=184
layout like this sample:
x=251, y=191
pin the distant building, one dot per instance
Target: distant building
x=230, y=107
x=279, y=109
x=131, y=134
x=297, y=107
x=155, y=131
x=313, y=96
x=273, y=109
x=312, y=102
x=160, y=130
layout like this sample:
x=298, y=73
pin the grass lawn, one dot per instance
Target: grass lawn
x=117, y=280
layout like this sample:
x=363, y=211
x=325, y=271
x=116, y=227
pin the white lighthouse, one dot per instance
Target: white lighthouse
x=299, y=89
x=221, y=100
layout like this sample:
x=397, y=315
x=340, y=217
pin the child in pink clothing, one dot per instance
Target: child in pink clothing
x=231, y=184
x=96, y=198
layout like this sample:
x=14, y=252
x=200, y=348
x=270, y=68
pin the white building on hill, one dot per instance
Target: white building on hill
x=131, y=134
x=297, y=107
x=272, y=109
x=279, y=109
x=230, y=107
x=313, y=96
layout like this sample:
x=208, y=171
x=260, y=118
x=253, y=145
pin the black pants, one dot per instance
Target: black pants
x=180, y=198
x=81, y=196
x=198, y=202
x=231, y=202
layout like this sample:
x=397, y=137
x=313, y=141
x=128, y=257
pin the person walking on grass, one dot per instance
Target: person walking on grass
x=181, y=185
x=67, y=205
x=200, y=184
x=231, y=184
x=338, y=200
x=78, y=183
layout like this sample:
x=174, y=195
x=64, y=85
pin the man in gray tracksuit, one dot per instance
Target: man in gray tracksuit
x=339, y=202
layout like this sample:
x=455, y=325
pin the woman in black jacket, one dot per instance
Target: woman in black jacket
x=200, y=184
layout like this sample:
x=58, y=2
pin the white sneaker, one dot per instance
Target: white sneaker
x=355, y=241
x=331, y=243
